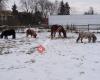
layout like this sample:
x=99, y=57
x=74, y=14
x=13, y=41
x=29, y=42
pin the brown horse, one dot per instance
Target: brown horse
x=31, y=32
x=86, y=35
x=59, y=29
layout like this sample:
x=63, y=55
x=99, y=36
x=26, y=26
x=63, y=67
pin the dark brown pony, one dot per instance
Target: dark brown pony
x=88, y=35
x=59, y=29
x=8, y=32
x=31, y=32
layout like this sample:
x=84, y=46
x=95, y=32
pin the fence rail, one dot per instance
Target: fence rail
x=72, y=28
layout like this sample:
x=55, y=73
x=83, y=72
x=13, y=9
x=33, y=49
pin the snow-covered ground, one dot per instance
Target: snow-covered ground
x=63, y=59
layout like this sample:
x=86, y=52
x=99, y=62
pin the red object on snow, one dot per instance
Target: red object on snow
x=40, y=49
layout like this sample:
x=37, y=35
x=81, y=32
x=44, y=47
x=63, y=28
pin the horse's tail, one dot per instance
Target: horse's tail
x=94, y=38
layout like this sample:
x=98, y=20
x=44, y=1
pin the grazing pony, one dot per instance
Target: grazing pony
x=7, y=33
x=31, y=32
x=59, y=29
x=89, y=35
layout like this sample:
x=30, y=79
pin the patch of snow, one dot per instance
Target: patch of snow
x=64, y=59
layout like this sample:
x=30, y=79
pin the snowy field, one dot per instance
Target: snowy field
x=63, y=59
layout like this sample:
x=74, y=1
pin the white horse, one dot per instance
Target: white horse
x=88, y=35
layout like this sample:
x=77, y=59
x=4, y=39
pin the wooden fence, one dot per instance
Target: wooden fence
x=89, y=27
x=72, y=28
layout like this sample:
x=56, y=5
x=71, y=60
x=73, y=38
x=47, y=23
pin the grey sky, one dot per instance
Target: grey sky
x=83, y=5
x=78, y=6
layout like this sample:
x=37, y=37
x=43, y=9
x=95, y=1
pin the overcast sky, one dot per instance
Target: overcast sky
x=78, y=6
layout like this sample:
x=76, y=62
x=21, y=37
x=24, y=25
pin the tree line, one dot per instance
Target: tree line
x=35, y=11
x=38, y=12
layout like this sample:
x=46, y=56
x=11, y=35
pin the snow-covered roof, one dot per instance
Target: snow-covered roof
x=74, y=19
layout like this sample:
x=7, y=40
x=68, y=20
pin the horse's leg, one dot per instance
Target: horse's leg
x=14, y=36
x=6, y=37
x=51, y=34
x=82, y=40
x=78, y=39
x=35, y=35
x=89, y=39
x=1, y=36
x=64, y=33
x=26, y=35
x=94, y=38
x=32, y=35
x=59, y=33
x=54, y=34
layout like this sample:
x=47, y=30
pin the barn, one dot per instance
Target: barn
x=74, y=19
x=82, y=21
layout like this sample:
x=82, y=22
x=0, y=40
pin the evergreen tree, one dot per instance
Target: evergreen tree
x=61, y=9
x=67, y=9
x=14, y=10
x=37, y=17
x=90, y=11
x=15, y=14
x=25, y=18
x=64, y=9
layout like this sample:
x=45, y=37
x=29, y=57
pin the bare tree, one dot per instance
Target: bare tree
x=73, y=10
x=3, y=4
x=27, y=5
x=49, y=8
x=44, y=6
x=55, y=7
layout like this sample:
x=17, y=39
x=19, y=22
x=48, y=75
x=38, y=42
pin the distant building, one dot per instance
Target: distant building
x=74, y=19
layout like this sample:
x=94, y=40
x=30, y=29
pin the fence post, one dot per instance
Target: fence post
x=88, y=27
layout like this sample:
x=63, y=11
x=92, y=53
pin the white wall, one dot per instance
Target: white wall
x=74, y=19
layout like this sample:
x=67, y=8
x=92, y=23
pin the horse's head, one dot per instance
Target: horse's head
x=64, y=32
x=94, y=38
x=35, y=35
